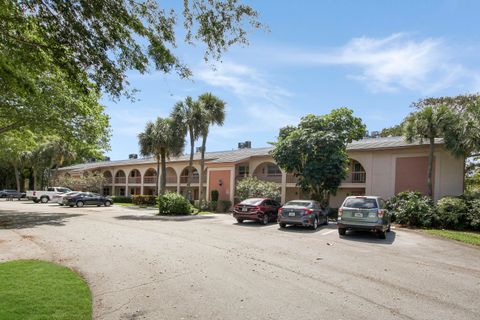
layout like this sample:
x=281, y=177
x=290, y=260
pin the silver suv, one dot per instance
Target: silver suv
x=364, y=213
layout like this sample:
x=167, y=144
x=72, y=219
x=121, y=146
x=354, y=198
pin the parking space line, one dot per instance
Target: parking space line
x=328, y=232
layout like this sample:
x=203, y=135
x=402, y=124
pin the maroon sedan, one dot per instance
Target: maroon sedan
x=262, y=210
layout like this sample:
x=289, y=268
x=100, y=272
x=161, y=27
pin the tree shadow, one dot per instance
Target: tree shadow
x=252, y=224
x=22, y=220
x=369, y=237
x=163, y=218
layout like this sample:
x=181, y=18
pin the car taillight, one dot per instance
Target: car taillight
x=340, y=212
x=34, y=193
x=307, y=211
x=280, y=210
x=381, y=213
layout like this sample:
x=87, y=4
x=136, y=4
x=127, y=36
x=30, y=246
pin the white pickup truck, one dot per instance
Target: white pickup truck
x=45, y=196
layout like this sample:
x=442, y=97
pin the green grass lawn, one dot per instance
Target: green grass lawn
x=32, y=289
x=467, y=237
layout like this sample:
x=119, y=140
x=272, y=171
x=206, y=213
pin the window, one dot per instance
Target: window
x=273, y=170
x=360, y=203
x=243, y=171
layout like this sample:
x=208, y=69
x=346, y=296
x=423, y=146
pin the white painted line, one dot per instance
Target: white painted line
x=328, y=232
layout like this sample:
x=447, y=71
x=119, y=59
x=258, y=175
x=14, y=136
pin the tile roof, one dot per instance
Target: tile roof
x=233, y=156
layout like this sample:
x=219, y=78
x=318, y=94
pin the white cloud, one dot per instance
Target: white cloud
x=392, y=63
x=243, y=81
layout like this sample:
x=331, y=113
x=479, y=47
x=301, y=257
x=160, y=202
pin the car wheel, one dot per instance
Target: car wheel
x=283, y=225
x=108, y=203
x=382, y=234
x=36, y=201
x=44, y=199
x=240, y=220
x=388, y=230
x=265, y=219
x=61, y=204
x=342, y=231
x=71, y=206
x=315, y=224
x=80, y=204
x=326, y=221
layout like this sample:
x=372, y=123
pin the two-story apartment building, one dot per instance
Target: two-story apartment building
x=379, y=166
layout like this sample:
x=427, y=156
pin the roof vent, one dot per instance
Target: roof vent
x=106, y=159
x=374, y=134
x=198, y=149
x=245, y=145
x=133, y=156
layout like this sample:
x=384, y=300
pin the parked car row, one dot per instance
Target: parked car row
x=10, y=193
x=65, y=196
x=356, y=213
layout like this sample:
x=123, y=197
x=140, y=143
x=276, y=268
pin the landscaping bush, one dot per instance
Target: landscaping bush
x=251, y=187
x=172, y=203
x=333, y=213
x=412, y=209
x=212, y=206
x=452, y=213
x=121, y=199
x=474, y=214
x=144, y=200
x=223, y=205
x=214, y=195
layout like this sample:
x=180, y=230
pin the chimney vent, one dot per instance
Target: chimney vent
x=133, y=156
x=245, y=145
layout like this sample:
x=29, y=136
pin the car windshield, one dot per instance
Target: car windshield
x=361, y=203
x=252, y=202
x=298, y=203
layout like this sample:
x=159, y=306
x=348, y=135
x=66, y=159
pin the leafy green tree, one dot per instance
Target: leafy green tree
x=213, y=110
x=315, y=150
x=190, y=118
x=394, y=131
x=429, y=123
x=106, y=38
x=162, y=140
x=251, y=187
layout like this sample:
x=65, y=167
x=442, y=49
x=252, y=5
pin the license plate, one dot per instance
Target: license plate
x=358, y=214
x=244, y=209
x=291, y=214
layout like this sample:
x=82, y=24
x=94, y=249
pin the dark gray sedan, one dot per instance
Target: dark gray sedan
x=86, y=198
x=307, y=213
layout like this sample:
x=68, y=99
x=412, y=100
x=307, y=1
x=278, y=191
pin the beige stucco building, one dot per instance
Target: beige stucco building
x=379, y=166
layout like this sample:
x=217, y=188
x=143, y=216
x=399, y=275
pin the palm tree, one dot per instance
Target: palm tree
x=428, y=123
x=188, y=117
x=213, y=110
x=162, y=140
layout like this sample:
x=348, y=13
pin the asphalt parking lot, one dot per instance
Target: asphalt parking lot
x=140, y=266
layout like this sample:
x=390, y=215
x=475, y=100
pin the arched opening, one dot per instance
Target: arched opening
x=268, y=171
x=107, y=175
x=150, y=176
x=120, y=177
x=356, y=172
x=134, y=176
x=184, y=175
x=171, y=176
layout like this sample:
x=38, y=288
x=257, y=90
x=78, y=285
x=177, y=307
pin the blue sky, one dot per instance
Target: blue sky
x=375, y=57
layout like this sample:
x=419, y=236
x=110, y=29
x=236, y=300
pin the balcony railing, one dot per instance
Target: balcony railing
x=150, y=179
x=172, y=179
x=184, y=179
x=134, y=179
x=356, y=177
x=270, y=178
x=108, y=180
x=120, y=180
x=291, y=178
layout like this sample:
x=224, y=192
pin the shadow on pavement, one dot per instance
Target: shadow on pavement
x=163, y=218
x=369, y=237
x=300, y=229
x=21, y=220
x=252, y=224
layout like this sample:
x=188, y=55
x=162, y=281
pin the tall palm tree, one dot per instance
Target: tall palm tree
x=213, y=110
x=428, y=123
x=188, y=116
x=162, y=140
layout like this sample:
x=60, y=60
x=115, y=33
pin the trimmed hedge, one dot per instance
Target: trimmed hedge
x=412, y=209
x=144, y=200
x=120, y=199
x=172, y=203
x=223, y=205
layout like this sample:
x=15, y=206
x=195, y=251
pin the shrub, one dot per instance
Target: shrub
x=412, y=209
x=223, y=205
x=121, y=199
x=214, y=195
x=333, y=213
x=144, y=200
x=211, y=206
x=251, y=187
x=474, y=214
x=172, y=203
x=452, y=213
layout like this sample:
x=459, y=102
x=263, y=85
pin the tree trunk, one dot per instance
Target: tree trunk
x=35, y=182
x=163, y=177
x=17, y=177
x=202, y=195
x=430, y=168
x=158, y=175
x=190, y=166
